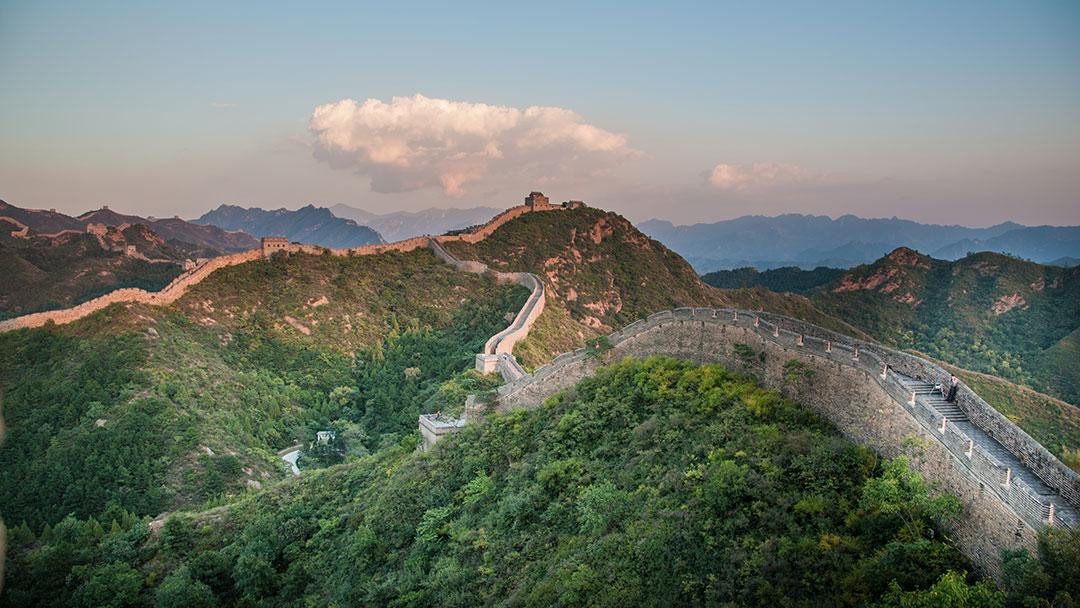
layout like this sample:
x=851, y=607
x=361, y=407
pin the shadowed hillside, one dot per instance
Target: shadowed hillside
x=47, y=272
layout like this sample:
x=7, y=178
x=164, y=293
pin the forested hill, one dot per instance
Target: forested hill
x=790, y=278
x=602, y=274
x=652, y=483
x=986, y=312
x=151, y=408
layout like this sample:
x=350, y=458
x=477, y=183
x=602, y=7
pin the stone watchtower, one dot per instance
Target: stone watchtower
x=537, y=200
x=270, y=244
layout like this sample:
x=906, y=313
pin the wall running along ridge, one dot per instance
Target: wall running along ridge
x=179, y=286
x=865, y=390
x=498, y=351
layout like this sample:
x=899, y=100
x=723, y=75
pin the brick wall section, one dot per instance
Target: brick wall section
x=850, y=393
x=502, y=344
x=169, y=294
x=982, y=414
x=180, y=285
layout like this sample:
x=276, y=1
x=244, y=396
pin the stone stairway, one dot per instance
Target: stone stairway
x=928, y=394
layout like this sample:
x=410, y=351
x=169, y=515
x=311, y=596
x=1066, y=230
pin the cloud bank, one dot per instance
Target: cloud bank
x=758, y=176
x=417, y=142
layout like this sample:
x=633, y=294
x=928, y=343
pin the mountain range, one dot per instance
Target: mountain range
x=141, y=463
x=310, y=224
x=809, y=241
x=203, y=241
x=402, y=225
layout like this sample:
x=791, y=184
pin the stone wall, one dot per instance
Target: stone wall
x=849, y=390
x=1029, y=451
x=504, y=341
x=481, y=233
x=182, y=283
x=169, y=294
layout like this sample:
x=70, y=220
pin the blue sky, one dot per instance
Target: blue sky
x=943, y=112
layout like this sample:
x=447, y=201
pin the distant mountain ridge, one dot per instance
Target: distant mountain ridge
x=201, y=241
x=401, y=225
x=987, y=312
x=311, y=225
x=809, y=241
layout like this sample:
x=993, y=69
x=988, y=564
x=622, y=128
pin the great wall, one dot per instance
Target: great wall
x=535, y=202
x=1009, y=484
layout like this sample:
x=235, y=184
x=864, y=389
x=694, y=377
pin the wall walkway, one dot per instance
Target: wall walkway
x=1010, y=485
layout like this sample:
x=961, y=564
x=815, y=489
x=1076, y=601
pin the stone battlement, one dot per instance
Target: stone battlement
x=268, y=247
x=1009, y=484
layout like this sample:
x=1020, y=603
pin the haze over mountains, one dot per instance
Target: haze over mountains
x=401, y=225
x=310, y=224
x=809, y=241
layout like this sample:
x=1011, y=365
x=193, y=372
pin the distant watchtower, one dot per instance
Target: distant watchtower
x=537, y=200
x=270, y=244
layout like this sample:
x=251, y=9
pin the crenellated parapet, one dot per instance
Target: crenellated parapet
x=1009, y=484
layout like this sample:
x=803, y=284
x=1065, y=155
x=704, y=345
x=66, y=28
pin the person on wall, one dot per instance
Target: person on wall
x=954, y=385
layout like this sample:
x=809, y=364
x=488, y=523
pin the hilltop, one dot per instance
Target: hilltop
x=311, y=225
x=602, y=274
x=986, y=312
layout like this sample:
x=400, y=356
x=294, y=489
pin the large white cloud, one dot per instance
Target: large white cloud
x=417, y=142
x=741, y=178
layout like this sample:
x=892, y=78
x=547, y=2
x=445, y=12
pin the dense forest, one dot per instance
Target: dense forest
x=148, y=409
x=791, y=278
x=652, y=483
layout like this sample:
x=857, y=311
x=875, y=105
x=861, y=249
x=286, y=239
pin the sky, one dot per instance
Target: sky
x=942, y=112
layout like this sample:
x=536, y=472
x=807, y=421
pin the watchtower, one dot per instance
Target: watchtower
x=537, y=200
x=271, y=244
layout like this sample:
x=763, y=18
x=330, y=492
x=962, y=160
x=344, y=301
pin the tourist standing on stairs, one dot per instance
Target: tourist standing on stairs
x=954, y=384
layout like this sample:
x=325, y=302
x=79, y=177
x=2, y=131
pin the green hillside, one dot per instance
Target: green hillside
x=654, y=483
x=987, y=312
x=42, y=273
x=790, y=278
x=149, y=409
x=602, y=273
